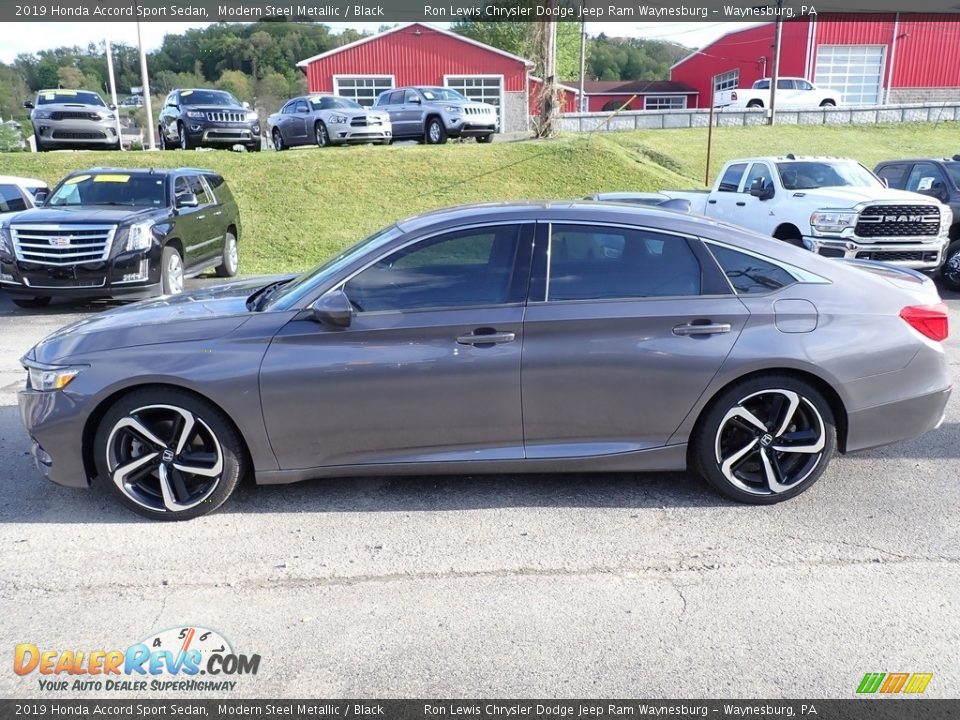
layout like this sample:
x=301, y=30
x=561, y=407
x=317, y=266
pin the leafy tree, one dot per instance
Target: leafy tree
x=70, y=78
x=236, y=82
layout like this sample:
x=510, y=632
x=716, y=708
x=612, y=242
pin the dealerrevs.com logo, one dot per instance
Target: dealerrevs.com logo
x=185, y=659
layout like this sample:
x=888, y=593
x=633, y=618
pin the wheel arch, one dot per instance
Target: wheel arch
x=96, y=416
x=954, y=232
x=175, y=243
x=787, y=231
x=829, y=392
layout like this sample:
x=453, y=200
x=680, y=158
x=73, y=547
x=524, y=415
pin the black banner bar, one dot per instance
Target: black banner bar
x=110, y=709
x=388, y=11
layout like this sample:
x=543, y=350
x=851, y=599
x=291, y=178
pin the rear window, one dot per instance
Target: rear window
x=11, y=200
x=748, y=274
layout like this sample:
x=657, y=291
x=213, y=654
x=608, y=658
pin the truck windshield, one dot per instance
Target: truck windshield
x=810, y=174
x=954, y=172
x=110, y=189
x=81, y=97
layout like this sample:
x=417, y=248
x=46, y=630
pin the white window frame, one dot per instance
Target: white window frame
x=503, y=91
x=830, y=82
x=360, y=76
x=722, y=81
x=668, y=97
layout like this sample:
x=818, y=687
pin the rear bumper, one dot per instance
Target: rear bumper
x=896, y=421
x=905, y=252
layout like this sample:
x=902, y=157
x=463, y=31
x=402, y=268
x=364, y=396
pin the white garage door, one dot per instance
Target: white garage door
x=480, y=88
x=362, y=88
x=854, y=71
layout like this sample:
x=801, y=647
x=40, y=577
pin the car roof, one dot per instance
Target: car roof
x=144, y=171
x=22, y=181
x=942, y=161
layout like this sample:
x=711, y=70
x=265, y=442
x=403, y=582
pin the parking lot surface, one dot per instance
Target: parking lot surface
x=527, y=586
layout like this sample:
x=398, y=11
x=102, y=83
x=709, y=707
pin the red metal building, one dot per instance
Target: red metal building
x=419, y=54
x=869, y=59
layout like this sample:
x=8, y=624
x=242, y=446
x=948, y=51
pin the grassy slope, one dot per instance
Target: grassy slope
x=300, y=206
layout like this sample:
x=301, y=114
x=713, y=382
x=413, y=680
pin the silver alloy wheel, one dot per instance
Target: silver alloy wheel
x=175, y=273
x=951, y=268
x=231, y=256
x=323, y=138
x=164, y=458
x=434, y=131
x=277, y=139
x=770, y=442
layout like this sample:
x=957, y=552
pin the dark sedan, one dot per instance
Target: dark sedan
x=501, y=338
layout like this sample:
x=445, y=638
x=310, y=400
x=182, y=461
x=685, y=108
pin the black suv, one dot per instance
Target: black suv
x=938, y=179
x=113, y=231
x=207, y=118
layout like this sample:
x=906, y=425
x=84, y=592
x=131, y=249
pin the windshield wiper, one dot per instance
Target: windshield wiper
x=259, y=299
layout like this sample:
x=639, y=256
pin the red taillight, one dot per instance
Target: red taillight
x=929, y=320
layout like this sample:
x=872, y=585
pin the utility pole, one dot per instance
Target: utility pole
x=583, y=57
x=113, y=91
x=548, y=101
x=713, y=93
x=775, y=76
x=147, y=104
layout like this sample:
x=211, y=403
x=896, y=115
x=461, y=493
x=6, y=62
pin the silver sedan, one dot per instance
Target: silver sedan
x=327, y=120
x=564, y=337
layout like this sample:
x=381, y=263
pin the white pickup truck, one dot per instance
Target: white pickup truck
x=791, y=93
x=832, y=206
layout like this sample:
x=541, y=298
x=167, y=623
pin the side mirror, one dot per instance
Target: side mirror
x=112, y=107
x=28, y=104
x=246, y=105
x=415, y=100
x=759, y=189
x=885, y=181
x=334, y=308
x=40, y=196
x=303, y=110
x=187, y=200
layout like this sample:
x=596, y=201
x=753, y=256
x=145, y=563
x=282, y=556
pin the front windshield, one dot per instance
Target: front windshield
x=434, y=94
x=141, y=190
x=290, y=294
x=953, y=170
x=810, y=174
x=334, y=103
x=207, y=97
x=56, y=97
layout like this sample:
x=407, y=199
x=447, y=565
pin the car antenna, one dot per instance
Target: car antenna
x=791, y=156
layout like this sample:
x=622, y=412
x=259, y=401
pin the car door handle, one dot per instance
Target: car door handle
x=702, y=329
x=711, y=202
x=741, y=203
x=486, y=338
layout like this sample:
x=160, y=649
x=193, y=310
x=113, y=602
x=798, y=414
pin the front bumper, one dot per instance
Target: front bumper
x=905, y=252
x=346, y=133
x=470, y=125
x=76, y=133
x=129, y=274
x=204, y=132
x=55, y=421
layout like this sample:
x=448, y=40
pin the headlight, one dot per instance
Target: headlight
x=47, y=378
x=139, y=236
x=252, y=117
x=338, y=119
x=42, y=114
x=195, y=114
x=5, y=245
x=456, y=110
x=833, y=220
x=106, y=115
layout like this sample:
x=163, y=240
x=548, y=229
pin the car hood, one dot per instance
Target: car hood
x=847, y=197
x=202, y=315
x=81, y=214
x=60, y=107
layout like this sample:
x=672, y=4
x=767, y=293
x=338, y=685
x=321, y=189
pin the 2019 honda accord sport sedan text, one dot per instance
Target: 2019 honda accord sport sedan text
x=539, y=337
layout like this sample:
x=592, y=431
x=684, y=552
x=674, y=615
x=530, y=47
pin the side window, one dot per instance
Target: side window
x=198, y=188
x=410, y=96
x=396, y=97
x=758, y=171
x=730, y=182
x=893, y=174
x=748, y=274
x=803, y=85
x=11, y=200
x=288, y=108
x=925, y=178
x=457, y=269
x=601, y=263
x=785, y=85
x=180, y=187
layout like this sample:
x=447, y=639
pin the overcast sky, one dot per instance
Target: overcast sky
x=30, y=37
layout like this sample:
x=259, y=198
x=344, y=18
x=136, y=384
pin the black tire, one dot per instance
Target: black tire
x=488, y=138
x=34, y=302
x=184, y=138
x=41, y=147
x=169, y=283
x=256, y=147
x=163, y=412
x=755, y=104
x=278, y=140
x=231, y=257
x=321, y=135
x=950, y=270
x=720, y=438
x=435, y=133
x=828, y=103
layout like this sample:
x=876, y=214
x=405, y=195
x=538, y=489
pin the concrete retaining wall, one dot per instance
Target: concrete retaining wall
x=669, y=119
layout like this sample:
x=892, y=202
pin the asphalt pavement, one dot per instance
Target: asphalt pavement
x=524, y=586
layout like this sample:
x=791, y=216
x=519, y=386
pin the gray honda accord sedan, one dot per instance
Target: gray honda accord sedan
x=544, y=337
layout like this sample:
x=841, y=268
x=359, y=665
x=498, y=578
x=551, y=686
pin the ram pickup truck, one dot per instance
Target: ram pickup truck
x=832, y=206
x=939, y=179
x=791, y=92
